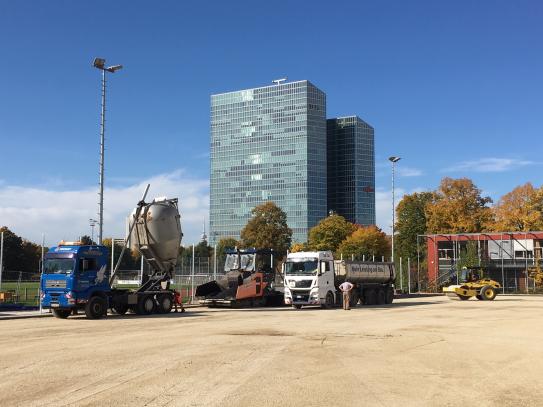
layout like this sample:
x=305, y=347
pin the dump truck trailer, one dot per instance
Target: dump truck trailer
x=76, y=276
x=313, y=278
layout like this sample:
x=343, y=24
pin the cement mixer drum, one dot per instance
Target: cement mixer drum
x=157, y=235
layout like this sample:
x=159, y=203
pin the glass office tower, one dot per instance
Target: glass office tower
x=268, y=143
x=351, y=169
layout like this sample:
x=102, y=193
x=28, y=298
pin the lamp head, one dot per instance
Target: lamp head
x=99, y=63
x=114, y=68
x=394, y=159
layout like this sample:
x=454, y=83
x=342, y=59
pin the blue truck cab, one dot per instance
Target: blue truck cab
x=75, y=276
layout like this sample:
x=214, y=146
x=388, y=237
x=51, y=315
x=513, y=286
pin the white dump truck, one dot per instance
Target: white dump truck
x=313, y=278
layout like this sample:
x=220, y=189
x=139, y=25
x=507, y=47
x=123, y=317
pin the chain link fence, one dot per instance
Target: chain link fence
x=24, y=287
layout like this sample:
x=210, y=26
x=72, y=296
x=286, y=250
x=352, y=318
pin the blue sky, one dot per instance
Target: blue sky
x=454, y=88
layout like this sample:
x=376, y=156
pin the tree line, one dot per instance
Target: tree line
x=458, y=206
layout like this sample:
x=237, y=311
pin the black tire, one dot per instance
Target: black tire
x=120, y=309
x=381, y=297
x=95, y=308
x=354, y=298
x=370, y=297
x=164, y=303
x=297, y=306
x=62, y=313
x=329, y=301
x=146, y=305
x=389, y=297
x=464, y=297
x=478, y=296
x=488, y=293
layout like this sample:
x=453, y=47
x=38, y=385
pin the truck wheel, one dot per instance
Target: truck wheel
x=329, y=301
x=95, y=308
x=165, y=303
x=488, y=293
x=120, y=309
x=353, y=301
x=146, y=305
x=370, y=297
x=62, y=313
x=297, y=306
x=381, y=297
x=478, y=296
x=463, y=297
x=389, y=295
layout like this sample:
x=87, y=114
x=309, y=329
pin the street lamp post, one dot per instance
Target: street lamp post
x=393, y=160
x=92, y=223
x=99, y=63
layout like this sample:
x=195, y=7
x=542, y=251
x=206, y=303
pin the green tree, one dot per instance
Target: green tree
x=20, y=254
x=469, y=256
x=330, y=232
x=411, y=222
x=298, y=247
x=224, y=244
x=366, y=241
x=267, y=228
x=458, y=207
x=86, y=240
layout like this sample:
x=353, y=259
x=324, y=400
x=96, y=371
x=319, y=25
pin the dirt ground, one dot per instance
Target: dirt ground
x=419, y=351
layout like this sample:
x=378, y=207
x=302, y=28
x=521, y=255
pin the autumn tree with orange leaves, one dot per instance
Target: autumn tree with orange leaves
x=519, y=210
x=458, y=207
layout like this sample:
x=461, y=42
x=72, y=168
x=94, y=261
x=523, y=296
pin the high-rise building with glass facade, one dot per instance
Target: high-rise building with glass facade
x=351, y=169
x=268, y=143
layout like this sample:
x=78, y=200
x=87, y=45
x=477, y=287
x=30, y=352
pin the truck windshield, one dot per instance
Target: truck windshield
x=58, y=266
x=233, y=260
x=301, y=268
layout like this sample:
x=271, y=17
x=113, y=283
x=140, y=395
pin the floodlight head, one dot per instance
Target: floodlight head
x=99, y=63
x=394, y=159
x=113, y=68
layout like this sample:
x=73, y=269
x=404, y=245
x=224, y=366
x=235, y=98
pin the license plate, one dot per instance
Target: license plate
x=54, y=305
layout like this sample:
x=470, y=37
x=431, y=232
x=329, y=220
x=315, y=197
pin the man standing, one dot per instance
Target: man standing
x=346, y=288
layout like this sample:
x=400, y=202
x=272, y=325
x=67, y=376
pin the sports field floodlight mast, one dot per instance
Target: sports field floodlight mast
x=393, y=160
x=100, y=63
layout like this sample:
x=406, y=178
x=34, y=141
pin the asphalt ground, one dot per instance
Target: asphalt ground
x=428, y=351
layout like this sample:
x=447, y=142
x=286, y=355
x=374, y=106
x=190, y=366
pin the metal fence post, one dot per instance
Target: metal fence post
x=215, y=262
x=192, y=278
x=41, y=270
x=408, y=275
x=401, y=275
x=1, y=257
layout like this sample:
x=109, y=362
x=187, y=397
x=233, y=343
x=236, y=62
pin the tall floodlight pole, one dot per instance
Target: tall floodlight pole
x=393, y=160
x=99, y=63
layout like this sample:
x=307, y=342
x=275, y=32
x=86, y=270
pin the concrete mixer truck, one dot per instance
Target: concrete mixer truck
x=76, y=277
x=313, y=278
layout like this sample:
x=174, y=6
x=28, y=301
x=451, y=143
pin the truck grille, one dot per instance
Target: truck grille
x=300, y=295
x=55, y=283
x=303, y=283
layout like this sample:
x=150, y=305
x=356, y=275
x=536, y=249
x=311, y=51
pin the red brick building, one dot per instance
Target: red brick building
x=505, y=256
